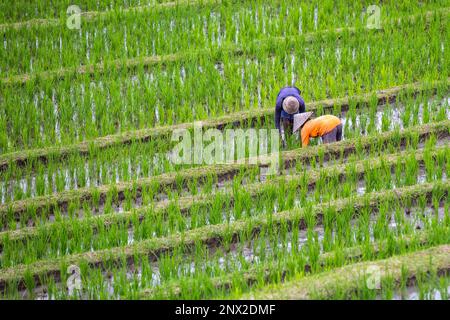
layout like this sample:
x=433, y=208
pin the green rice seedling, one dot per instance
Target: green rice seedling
x=444, y=283
x=29, y=283
x=11, y=291
x=299, y=219
x=441, y=114
x=442, y=164
x=382, y=222
x=422, y=285
x=385, y=119
x=411, y=170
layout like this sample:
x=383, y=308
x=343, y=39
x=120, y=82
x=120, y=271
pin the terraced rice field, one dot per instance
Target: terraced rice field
x=93, y=206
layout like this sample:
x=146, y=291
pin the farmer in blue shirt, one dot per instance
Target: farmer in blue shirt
x=289, y=102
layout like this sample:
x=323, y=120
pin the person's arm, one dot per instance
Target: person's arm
x=278, y=108
x=280, y=126
x=302, y=107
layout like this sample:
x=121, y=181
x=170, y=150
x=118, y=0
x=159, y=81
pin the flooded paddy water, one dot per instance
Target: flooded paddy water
x=89, y=183
x=93, y=174
x=245, y=256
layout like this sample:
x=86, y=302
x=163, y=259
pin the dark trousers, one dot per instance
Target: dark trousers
x=334, y=135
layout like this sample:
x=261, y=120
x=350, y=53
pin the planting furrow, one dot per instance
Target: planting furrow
x=352, y=278
x=139, y=160
x=91, y=15
x=229, y=262
x=208, y=174
x=423, y=161
x=213, y=234
x=384, y=96
x=70, y=112
x=264, y=273
x=130, y=64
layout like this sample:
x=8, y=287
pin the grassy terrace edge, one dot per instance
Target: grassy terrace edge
x=325, y=261
x=345, y=147
x=213, y=234
x=236, y=119
x=131, y=63
x=349, y=278
x=185, y=203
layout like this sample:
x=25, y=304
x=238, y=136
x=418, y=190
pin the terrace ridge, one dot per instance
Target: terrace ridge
x=325, y=261
x=386, y=95
x=213, y=234
x=254, y=189
x=146, y=61
x=435, y=259
x=223, y=170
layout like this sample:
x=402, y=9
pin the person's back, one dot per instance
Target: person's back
x=320, y=127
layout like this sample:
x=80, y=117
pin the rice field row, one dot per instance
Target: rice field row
x=40, y=178
x=95, y=205
x=74, y=111
x=231, y=204
x=231, y=48
x=347, y=281
x=237, y=231
x=174, y=29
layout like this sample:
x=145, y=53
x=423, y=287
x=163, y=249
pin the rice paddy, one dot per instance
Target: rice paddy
x=94, y=206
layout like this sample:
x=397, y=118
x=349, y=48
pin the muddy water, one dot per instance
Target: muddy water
x=413, y=293
x=395, y=119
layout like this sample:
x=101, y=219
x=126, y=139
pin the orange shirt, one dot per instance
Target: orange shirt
x=318, y=127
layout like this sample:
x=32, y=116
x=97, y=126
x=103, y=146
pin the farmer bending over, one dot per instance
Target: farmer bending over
x=289, y=102
x=327, y=126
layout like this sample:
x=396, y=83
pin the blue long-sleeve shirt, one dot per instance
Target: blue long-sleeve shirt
x=283, y=94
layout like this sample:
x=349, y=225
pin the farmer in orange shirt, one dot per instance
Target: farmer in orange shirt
x=327, y=126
